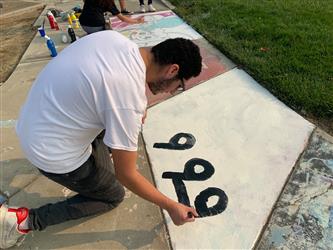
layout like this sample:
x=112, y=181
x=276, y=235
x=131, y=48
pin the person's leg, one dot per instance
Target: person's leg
x=123, y=8
x=98, y=191
x=142, y=6
x=122, y=4
x=150, y=6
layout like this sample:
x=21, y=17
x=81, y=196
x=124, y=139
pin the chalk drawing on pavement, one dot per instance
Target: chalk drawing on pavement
x=157, y=28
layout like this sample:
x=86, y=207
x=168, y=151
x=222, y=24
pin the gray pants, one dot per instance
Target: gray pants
x=98, y=190
x=90, y=30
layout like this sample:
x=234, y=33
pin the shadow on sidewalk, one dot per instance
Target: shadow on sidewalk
x=130, y=239
x=31, y=189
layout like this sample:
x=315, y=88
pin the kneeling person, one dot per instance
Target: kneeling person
x=75, y=111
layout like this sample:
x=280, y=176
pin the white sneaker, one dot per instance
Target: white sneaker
x=10, y=219
x=151, y=8
x=142, y=9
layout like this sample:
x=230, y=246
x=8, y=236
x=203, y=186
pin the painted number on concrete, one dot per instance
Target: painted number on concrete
x=189, y=174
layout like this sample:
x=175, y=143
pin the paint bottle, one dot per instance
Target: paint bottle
x=75, y=21
x=64, y=38
x=71, y=34
x=56, y=26
x=69, y=19
x=51, y=19
x=51, y=46
x=41, y=31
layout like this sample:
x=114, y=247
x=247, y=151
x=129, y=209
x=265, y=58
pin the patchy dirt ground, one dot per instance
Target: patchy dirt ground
x=12, y=5
x=17, y=32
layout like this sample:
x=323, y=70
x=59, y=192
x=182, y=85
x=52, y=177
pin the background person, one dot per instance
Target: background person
x=150, y=6
x=123, y=8
x=61, y=125
x=92, y=17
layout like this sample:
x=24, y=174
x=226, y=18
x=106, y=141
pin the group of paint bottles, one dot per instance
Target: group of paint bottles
x=72, y=20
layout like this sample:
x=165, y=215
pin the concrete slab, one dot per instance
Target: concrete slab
x=252, y=142
x=162, y=25
x=16, y=88
x=168, y=4
x=60, y=5
x=135, y=224
x=214, y=63
x=38, y=51
x=303, y=218
x=15, y=171
x=158, y=27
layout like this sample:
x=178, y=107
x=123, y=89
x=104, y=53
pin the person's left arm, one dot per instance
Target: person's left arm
x=129, y=20
x=115, y=12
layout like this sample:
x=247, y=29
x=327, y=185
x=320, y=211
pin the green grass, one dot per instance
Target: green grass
x=297, y=66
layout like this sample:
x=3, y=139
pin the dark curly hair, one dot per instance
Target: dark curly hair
x=179, y=51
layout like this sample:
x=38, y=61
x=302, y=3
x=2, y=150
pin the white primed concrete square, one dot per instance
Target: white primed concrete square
x=252, y=140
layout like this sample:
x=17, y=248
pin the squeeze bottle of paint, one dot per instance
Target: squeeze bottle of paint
x=71, y=33
x=75, y=21
x=69, y=19
x=56, y=26
x=51, y=19
x=51, y=46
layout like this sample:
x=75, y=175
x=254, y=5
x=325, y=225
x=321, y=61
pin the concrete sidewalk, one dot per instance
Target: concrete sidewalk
x=135, y=224
x=301, y=218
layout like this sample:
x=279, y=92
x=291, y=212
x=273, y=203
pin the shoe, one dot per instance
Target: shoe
x=10, y=220
x=151, y=8
x=142, y=9
x=127, y=12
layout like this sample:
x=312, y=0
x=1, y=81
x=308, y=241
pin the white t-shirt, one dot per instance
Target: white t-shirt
x=96, y=83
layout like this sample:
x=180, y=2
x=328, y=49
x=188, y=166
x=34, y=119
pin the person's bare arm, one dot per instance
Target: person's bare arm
x=115, y=12
x=126, y=19
x=144, y=117
x=127, y=174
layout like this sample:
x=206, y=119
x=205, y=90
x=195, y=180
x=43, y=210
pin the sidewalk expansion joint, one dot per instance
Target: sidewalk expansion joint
x=28, y=184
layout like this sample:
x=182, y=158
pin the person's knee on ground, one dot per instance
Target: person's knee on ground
x=115, y=200
x=115, y=203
